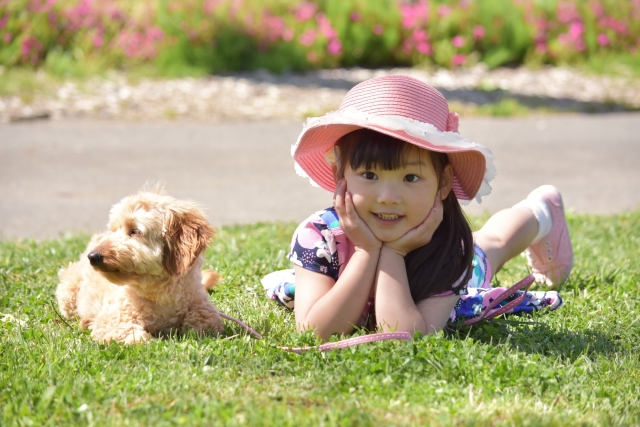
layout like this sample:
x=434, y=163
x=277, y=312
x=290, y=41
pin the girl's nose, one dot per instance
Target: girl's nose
x=388, y=194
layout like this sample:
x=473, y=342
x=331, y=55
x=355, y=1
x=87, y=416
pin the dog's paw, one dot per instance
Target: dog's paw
x=127, y=334
x=137, y=337
x=210, y=279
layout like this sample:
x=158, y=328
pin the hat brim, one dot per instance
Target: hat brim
x=472, y=163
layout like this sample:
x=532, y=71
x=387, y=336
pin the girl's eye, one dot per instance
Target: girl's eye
x=369, y=175
x=411, y=178
x=134, y=232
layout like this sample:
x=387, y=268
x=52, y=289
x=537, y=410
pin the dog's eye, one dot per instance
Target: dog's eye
x=134, y=232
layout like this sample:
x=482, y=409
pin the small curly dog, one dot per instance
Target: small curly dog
x=142, y=277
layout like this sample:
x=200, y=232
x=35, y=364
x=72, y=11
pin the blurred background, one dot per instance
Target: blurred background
x=70, y=38
x=198, y=93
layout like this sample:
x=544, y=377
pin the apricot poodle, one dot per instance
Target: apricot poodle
x=142, y=276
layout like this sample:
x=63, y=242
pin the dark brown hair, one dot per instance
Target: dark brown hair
x=439, y=265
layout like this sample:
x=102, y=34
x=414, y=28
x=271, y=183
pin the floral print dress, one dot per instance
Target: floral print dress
x=320, y=245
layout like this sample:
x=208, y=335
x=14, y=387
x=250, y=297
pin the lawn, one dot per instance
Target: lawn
x=576, y=366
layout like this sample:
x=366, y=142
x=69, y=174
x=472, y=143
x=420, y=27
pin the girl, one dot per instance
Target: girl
x=396, y=251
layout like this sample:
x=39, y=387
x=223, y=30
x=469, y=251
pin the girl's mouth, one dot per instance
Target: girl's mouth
x=388, y=219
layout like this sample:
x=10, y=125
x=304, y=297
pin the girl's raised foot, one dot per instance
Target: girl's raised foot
x=551, y=258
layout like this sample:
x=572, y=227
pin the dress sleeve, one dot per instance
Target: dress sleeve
x=313, y=247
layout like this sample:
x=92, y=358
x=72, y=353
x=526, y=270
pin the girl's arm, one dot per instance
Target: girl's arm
x=330, y=307
x=395, y=309
x=336, y=307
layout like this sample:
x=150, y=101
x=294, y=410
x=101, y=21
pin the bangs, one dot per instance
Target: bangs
x=370, y=149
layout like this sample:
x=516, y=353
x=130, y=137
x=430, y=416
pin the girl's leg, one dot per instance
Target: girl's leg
x=506, y=234
x=537, y=224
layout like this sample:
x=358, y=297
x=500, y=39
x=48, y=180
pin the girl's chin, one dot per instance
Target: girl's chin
x=388, y=236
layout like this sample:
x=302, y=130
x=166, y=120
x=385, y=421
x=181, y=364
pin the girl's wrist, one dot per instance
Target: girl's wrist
x=394, y=250
x=372, y=251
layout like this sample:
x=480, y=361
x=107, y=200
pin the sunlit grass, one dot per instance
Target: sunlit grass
x=576, y=366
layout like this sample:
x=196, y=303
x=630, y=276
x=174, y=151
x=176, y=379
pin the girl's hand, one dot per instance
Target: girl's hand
x=353, y=226
x=422, y=234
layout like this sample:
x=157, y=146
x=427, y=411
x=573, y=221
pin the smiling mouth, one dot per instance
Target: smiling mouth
x=388, y=217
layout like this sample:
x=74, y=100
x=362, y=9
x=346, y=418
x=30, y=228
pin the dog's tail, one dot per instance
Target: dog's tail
x=67, y=291
x=209, y=279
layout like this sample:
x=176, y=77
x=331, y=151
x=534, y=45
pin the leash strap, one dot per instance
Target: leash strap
x=488, y=313
x=350, y=342
x=248, y=329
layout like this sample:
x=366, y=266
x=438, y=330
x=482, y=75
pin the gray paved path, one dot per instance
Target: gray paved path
x=58, y=177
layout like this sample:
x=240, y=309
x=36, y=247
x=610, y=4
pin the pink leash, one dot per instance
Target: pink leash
x=248, y=329
x=487, y=313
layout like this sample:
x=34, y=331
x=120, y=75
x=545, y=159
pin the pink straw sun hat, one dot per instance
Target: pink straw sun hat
x=406, y=109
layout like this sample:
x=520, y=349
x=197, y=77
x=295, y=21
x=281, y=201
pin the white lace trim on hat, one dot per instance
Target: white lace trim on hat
x=424, y=131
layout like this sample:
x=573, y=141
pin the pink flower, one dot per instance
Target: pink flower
x=355, y=16
x=478, y=32
x=597, y=8
x=335, y=47
x=457, y=41
x=378, y=30
x=443, y=10
x=308, y=37
x=420, y=36
x=576, y=30
x=305, y=11
x=574, y=36
x=567, y=12
x=424, y=48
x=98, y=40
x=40, y=6
x=273, y=26
x=603, y=40
x=610, y=22
x=414, y=15
x=312, y=56
x=3, y=21
x=287, y=35
x=210, y=5
x=30, y=49
x=8, y=37
x=141, y=43
x=325, y=26
x=541, y=47
x=636, y=8
x=458, y=59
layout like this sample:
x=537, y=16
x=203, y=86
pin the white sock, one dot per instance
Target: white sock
x=540, y=210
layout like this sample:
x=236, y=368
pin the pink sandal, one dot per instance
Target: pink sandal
x=551, y=259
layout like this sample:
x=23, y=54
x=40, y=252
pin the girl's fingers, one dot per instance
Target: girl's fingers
x=348, y=204
x=339, y=189
x=338, y=197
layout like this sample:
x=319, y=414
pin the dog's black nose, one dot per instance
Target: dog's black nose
x=95, y=258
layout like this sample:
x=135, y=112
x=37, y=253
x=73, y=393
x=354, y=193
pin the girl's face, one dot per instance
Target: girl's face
x=392, y=202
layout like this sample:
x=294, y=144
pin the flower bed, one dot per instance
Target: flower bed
x=231, y=35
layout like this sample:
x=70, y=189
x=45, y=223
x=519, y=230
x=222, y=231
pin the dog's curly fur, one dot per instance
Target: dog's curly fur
x=142, y=277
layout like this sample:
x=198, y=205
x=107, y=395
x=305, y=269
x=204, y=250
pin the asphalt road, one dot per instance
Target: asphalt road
x=59, y=177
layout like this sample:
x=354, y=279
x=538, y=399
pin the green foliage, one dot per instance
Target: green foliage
x=72, y=37
x=579, y=365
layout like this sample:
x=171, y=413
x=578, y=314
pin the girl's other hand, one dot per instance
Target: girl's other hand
x=353, y=226
x=422, y=234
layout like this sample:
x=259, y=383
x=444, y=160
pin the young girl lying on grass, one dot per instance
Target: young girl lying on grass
x=395, y=252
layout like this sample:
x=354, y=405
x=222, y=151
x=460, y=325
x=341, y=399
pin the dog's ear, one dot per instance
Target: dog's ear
x=187, y=234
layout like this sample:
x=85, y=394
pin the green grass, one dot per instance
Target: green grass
x=576, y=366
